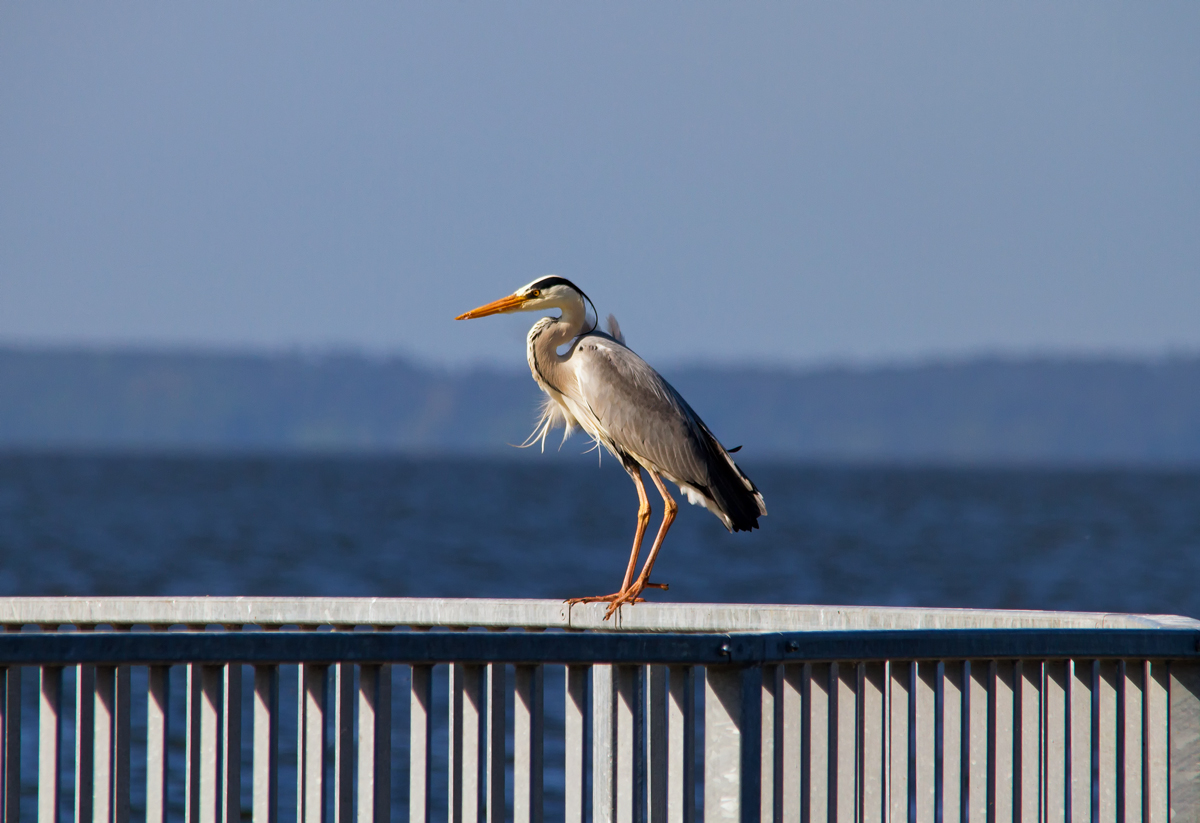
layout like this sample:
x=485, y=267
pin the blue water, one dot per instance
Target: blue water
x=1114, y=540
x=1013, y=538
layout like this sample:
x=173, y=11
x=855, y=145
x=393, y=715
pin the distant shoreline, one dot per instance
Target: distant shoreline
x=996, y=411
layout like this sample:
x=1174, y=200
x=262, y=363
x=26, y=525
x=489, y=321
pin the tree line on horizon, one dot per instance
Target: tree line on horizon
x=986, y=410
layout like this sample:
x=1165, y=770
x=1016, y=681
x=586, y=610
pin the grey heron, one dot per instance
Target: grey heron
x=601, y=386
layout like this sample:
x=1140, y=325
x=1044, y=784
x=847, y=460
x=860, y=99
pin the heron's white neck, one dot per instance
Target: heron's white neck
x=545, y=338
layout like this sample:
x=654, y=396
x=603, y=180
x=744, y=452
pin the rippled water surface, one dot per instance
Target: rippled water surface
x=1095, y=540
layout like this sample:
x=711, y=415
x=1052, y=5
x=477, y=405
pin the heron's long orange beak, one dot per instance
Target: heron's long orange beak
x=510, y=303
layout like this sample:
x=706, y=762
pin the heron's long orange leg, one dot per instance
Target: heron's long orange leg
x=643, y=520
x=629, y=593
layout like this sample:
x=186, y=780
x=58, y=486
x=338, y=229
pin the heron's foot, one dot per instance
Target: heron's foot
x=626, y=596
x=599, y=598
x=632, y=595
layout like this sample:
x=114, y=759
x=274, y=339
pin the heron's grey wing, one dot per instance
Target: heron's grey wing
x=638, y=411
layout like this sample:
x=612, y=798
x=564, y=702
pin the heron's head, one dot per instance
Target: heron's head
x=543, y=293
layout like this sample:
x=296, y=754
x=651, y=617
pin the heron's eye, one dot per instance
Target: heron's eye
x=535, y=293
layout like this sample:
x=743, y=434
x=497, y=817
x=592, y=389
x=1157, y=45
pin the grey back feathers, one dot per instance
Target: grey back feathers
x=644, y=419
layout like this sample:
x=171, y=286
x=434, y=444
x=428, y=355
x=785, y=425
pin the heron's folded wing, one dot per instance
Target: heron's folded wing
x=640, y=412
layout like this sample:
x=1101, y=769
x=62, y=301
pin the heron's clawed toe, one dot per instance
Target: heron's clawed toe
x=631, y=595
x=599, y=598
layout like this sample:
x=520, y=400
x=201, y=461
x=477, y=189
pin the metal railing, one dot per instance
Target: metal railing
x=773, y=713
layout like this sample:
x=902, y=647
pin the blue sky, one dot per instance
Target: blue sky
x=768, y=183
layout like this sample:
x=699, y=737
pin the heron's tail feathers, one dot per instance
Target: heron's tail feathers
x=735, y=494
x=551, y=416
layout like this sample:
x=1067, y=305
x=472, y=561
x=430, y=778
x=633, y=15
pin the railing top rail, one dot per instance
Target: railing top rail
x=344, y=612
x=157, y=648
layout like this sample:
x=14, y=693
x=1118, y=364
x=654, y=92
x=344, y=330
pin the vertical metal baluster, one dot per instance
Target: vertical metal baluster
x=266, y=744
x=497, y=703
x=231, y=744
x=900, y=696
x=374, y=743
x=872, y=723
x=474, y=719
x=110, y=786
x=978, y=689
x=528, y=736
x=626, y=722
x=454, y=798
x=1130, y=696
x=343, y=742
x=732, y=748
x=122, y=721
x=1027, y=740
x=791, y=698
x=575, y=737
x=926, y=739
x=301, y=738
x=102, y=751
x=211, y=700
x=1157, y=737
x=1123, y=736
x=951, y=744
x=1108, y=742
x=1001, y=775
x=1080, y=707
x=1096, y=743
x=681, y=745
x=815, y=744
x=844, y=742
x=49, y=743
x=157, y=743
x=1025, y=734
x=10, y=741
x=656, y=744
x=85, y=743
x=1184, y=708
x=640, y=798
x=1055, y=770
x=315, y=706
x=772, y=751
x=420, y=743
x=192, y=777
x=603, y=744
